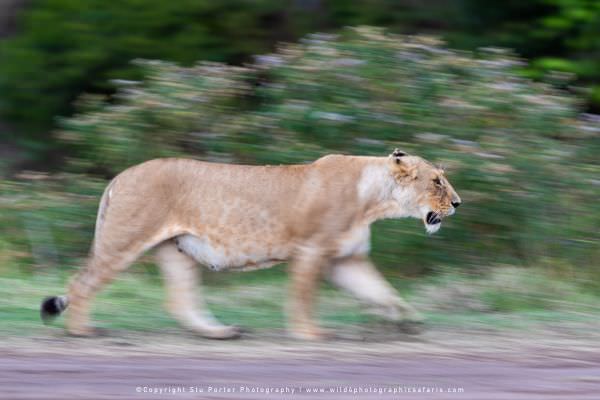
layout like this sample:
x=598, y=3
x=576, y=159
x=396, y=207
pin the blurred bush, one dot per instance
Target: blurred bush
x=46, y=221
x=556, y=35
x=63, y=48
x=519, y=153
x=67, y=47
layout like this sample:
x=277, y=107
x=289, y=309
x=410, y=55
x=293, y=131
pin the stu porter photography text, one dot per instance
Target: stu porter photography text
x=292, y=390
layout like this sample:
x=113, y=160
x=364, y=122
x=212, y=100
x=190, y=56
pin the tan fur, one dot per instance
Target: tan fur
x=316, y=216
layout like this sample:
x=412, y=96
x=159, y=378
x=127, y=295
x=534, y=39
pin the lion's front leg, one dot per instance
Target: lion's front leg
x=305, y=273
x=358, y=276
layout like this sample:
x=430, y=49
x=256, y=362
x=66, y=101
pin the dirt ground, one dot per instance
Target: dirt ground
x=546, y=362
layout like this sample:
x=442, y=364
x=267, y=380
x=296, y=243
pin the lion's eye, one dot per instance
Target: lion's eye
x=437, y=181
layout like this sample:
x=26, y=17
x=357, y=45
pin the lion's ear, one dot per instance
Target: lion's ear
x=402, y=169
x=397, y=155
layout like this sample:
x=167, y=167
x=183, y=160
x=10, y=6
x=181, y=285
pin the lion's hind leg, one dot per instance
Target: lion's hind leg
x=99, y=271
x=181, y=277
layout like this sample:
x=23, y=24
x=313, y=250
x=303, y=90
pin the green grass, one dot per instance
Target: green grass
x=135, y=301
x=503, y=299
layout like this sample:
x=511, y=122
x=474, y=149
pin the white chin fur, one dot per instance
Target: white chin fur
x=431, y=229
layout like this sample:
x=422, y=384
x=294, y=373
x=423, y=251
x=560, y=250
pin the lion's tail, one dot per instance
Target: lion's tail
x=52, y=307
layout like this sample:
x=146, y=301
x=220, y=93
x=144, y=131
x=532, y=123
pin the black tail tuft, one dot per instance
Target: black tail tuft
x=52, y=307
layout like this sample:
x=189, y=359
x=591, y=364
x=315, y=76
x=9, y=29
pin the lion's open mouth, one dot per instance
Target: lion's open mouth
x=433, y=221
x=433, y=218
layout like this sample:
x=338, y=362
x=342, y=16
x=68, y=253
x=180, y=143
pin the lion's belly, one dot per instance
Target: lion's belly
x=243, y=254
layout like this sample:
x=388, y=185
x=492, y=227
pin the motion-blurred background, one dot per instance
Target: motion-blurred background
x=503, y=93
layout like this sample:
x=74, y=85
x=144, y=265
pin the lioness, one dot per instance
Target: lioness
x=238, y=217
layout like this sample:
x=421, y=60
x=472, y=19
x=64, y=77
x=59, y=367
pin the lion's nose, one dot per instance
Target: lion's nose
x=455, y=204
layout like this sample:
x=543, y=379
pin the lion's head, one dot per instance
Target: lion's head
x=422, y=189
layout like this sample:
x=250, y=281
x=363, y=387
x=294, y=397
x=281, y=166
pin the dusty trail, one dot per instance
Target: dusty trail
x=553, y=363
x=62, y=377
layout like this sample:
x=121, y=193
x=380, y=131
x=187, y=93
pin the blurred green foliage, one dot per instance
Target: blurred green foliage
x=66, y=47
x=46, y=221
x=519, y=153
x=556, y=35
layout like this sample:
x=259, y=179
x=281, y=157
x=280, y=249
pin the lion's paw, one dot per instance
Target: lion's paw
x=222, y=332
